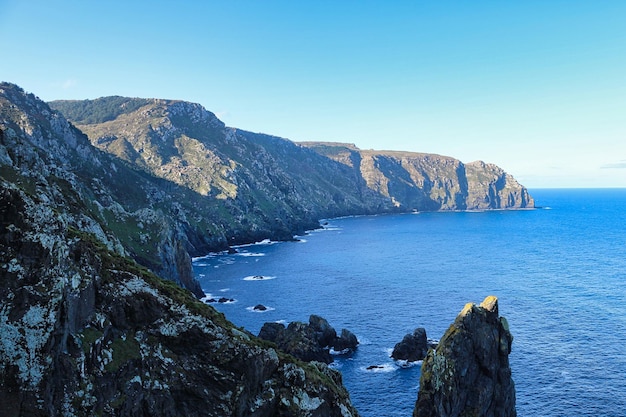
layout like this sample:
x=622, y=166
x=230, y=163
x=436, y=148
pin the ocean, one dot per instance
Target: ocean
x=559, y=272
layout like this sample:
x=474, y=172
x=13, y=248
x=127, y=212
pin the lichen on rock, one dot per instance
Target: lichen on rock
x=468, y=374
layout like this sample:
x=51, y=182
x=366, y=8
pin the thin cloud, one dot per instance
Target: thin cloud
x=68, y=84
x=616, y=165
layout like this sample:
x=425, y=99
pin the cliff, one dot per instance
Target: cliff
x=429, y=182
x=132, y=213
x=87, y=331
x=223, y=186
x=188, y=145
x=468, y=374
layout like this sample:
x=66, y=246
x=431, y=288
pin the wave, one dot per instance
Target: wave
x=249, y=254
x=258, y=278
x=406, y=364
x=211, y=299
x=263, y=242
x=339, y=352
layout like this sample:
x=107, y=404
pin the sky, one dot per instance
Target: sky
x=536, y=87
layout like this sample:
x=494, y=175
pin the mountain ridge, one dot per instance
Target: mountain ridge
x=487, y=187
x=88, y=331
x=88, y=223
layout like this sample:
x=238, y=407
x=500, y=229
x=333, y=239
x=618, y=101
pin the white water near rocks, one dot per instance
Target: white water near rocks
x=559, y=273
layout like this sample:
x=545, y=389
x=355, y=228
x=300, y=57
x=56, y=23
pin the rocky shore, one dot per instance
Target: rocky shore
x=469, y=373
x=89, y=226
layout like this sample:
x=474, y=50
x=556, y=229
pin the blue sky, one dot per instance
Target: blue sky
x=536, y=87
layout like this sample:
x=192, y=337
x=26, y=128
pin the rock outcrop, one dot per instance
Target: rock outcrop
x=212, y=186
x=413, y=346
x=429, y=182
x=469, y=374
x=309, y=341
x=84, y=329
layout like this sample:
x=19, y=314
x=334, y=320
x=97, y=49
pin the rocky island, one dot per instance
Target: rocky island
x=468, y=374
x=91, y=223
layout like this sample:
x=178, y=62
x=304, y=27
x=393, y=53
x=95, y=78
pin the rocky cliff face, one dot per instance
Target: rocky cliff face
x=188, y=145
x=468, y=374
x=428, y=182
x=87, y=331
x=271, y=185
x=217, y=186
x=132, y=213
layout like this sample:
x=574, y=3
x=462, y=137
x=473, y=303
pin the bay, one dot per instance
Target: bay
x=558, y=271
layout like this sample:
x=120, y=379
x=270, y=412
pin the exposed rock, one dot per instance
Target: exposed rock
x=259, y=307
x=128, y=211
x=198, y=186
x=469, y=374
x=308, y=342
x=85, y=331
x=429, y=182
x=346, y=341
x=324, y=333
x=413, y=346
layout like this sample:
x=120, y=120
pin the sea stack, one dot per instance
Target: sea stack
x=469, y=374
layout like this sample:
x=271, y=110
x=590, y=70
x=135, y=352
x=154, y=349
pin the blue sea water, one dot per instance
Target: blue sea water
x=559, y=273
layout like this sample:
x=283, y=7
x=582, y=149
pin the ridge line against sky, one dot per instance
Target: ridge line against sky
x=535, y=87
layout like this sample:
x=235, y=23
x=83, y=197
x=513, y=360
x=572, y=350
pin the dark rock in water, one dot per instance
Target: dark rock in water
x=308, y=342
x=469, y=374
x=347, y=340
x=259, y=307
x=413, y=346
x=372, y=367
x=210, y=300
x=225, y=300
x=325, y=334
x=272, y=331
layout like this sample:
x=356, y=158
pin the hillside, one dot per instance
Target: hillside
x=87, y=331
x=188, y=145
x=429, y=182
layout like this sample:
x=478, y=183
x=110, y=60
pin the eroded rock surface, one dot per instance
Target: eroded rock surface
x=469, y=374
x=413, y=346
x=309, y=341
x=85, y=331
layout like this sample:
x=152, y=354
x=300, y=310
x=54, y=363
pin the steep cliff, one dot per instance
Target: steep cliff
x=429, y=182
x=86, y=331
x=129, y=211
x=468, y=374
x=274, y=185
x=188, y=145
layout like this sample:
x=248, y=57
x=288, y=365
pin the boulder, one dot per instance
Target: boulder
x=413, y=346
x=347, y=340
x=272, y=331
x=309, y=341
x=469, y=373
x=325, y=334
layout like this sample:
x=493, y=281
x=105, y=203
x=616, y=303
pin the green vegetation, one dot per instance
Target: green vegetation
x=89, y=337
x=99, y=110
x=123, y=350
